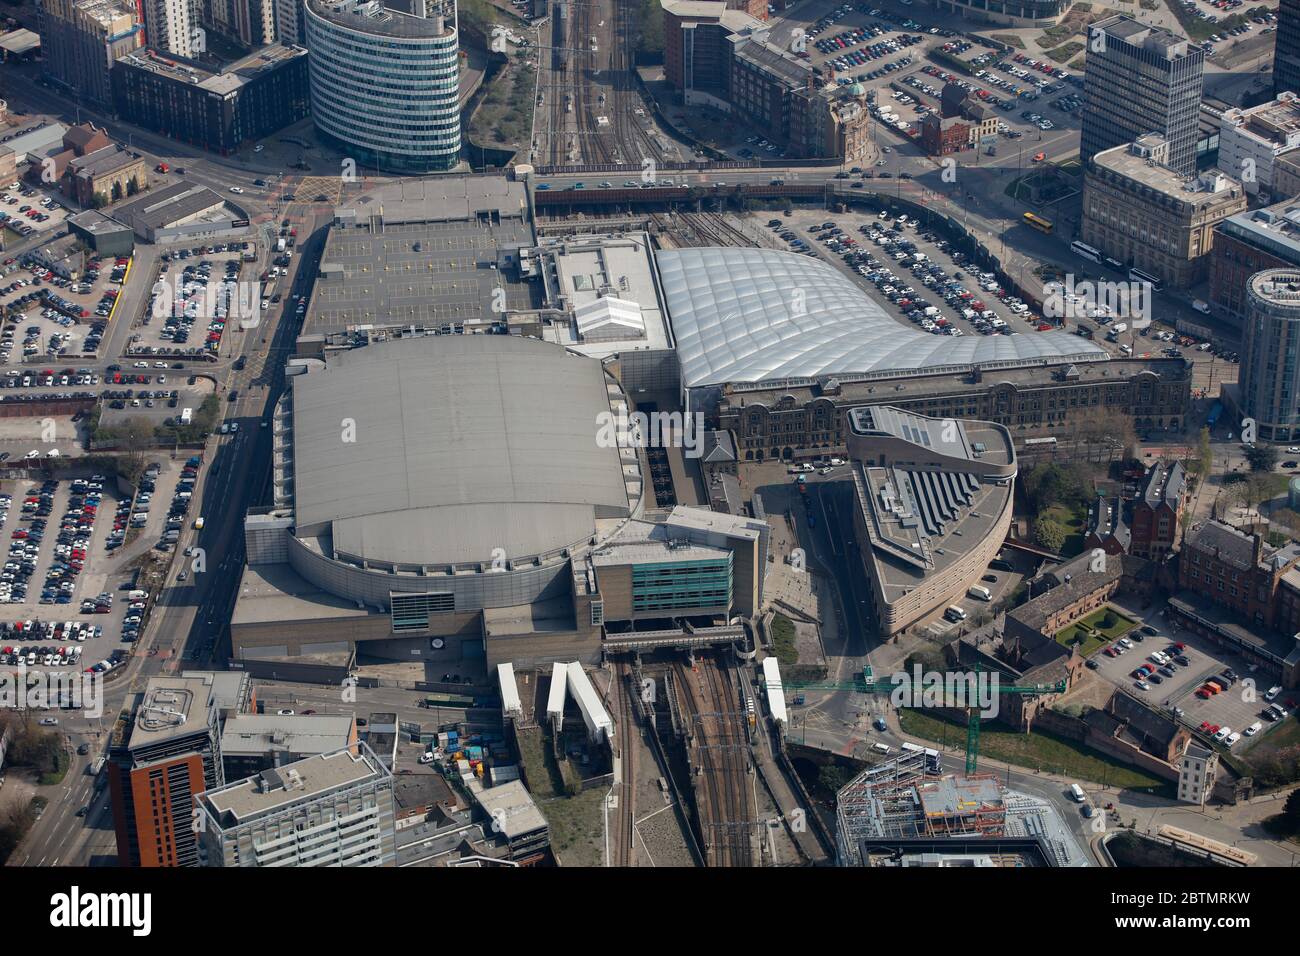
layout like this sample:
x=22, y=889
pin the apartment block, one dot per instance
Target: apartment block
x=164, y=750
x=1251, y=140
x=82, y=39
x=333, y=809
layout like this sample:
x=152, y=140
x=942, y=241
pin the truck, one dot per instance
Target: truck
x=280, y=244
x=187, y=415
x=1116, y=330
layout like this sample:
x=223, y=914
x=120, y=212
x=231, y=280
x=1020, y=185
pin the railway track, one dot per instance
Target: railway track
x=586, y=85
x=723, y=804
x=624, y=849
x=702, y=229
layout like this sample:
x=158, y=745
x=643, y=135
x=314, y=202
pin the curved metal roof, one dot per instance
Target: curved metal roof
x=446, y=448
x=750, y=315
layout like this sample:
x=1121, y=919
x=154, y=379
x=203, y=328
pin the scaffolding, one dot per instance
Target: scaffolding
x=895, y=800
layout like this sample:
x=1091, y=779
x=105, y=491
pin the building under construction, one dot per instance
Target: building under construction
x=898, y=799
x=903, y=813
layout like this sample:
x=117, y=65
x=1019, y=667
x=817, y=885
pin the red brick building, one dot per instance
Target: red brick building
x=1160, y=502
x=163, y=751
x=943, y=135
x=1235, y=570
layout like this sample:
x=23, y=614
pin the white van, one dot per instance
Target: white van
x=881, y=748
x=954, y=613
x=1076, y=793
x=980, y=592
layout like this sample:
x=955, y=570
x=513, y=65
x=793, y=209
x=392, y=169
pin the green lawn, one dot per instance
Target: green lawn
x=52, y=777
x=1037, y=751
x=1010, y=39
x=1074, y=522
x=787, y=654
x=1089, y=643
x=577, y=826
x=1091, y=632
x=1121, y=625
x=1062, y=54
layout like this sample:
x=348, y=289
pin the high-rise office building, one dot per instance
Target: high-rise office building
x=385, y=81
x=1141, y=79
x=1286, y=53
x=165, y=749
x=1270, y=361
x=82, y=39
x=333, y=809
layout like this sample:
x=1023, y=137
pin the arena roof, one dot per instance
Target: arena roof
x=750, y=315
x=464, y=444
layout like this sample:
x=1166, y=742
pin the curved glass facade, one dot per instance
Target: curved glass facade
x=385, y=85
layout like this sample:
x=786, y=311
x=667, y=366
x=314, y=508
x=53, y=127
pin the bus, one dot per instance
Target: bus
x=1137, y=275
x=1037, y=222
x=1085, y=250
x=447, y=700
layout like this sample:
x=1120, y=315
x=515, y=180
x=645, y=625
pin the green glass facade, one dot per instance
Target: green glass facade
x=682, y=585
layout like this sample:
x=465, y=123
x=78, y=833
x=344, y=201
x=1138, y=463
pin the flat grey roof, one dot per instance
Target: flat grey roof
x=372, y=16
x=96, y=223
x=750, y=315
x=307, y=779
x=253, y=734
x=429, y=257
x=511, y=807
x=464, y=444
x=1275, y=229
x=170, y=708
x=159, y=208
x=276, y=593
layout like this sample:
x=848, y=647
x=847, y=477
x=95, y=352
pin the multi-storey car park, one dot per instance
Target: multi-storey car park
x=385, y=83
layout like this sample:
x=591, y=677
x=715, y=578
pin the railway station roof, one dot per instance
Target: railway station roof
x=753, y=315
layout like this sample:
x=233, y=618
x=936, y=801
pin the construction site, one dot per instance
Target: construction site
x=903, y=812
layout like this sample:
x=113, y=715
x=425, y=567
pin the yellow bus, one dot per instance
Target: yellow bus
x=1037, y=222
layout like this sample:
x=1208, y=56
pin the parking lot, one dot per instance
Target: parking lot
x=67, y=584
x=913, y=273
x=1231, y=708
x=1218, y=11
x=50, y=316
x=196, y=294
x=27, y=212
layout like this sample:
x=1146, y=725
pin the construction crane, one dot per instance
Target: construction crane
x=866, y=683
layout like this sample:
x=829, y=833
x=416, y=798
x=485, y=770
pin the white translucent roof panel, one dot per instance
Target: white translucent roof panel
x=751, y=315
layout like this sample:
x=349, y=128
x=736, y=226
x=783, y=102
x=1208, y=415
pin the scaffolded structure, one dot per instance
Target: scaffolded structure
x=896, y=800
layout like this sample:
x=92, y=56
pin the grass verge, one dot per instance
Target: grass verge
x=1037, y=751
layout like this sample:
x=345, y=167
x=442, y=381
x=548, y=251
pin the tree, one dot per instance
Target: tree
x=1205, y=453
x=1049, y=534
x=1051, y=484
x=1261, y=457
x=650, y=31
x=1291, y=809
